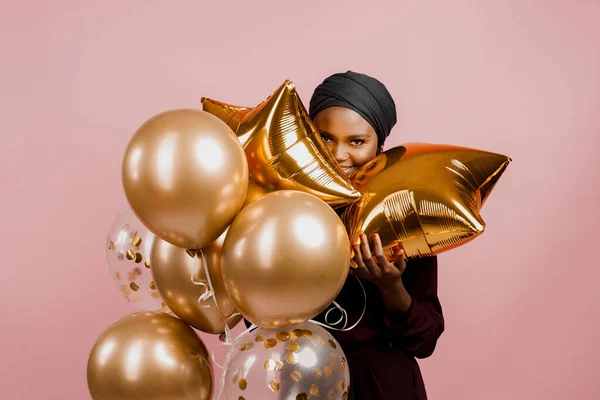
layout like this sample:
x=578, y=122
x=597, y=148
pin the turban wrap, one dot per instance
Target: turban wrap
x=361, y=93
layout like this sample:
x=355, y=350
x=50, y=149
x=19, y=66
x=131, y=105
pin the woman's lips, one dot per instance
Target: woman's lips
x=348, y=170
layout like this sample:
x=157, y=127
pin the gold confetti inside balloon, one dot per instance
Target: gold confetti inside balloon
x=305, y=361
x=150, y=356
x=285, y=258
x=427, y=197
x=283, y=148
x=180, y=278
x=185, y=176
x=128, y=246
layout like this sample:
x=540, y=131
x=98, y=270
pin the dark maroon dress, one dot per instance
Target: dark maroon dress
x=383, y=348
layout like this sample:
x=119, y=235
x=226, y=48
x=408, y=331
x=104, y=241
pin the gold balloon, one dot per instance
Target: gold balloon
x=283, y=147
x=426, y=197
x=181, y=280
x=253, y=193
x=151, y=356
x=185, y=176
x=285, y=258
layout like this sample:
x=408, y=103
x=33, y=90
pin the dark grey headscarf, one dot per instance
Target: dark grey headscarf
x=361, y=93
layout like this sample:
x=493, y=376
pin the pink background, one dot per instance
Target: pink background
x=516, y=77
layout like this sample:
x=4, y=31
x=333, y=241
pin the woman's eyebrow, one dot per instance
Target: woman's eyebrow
x=324, y=132
x=351, y=137
x=359, y=136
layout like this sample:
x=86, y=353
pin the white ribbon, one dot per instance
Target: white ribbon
x=210, y=289
x=344, y=317
x=210, y=293
x=230, y=353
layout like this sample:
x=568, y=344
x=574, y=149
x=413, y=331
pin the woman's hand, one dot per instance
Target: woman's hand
x=386, y=275
x=374, y=265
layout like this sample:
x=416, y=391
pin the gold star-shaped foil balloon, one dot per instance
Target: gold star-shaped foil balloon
x=283, y=147
x=424, y=197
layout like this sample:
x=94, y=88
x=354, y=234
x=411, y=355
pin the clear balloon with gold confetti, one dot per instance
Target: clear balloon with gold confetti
x=128, y=247
x=300, y=363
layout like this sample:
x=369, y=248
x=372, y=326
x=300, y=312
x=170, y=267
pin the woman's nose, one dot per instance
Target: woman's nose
x=339, y=153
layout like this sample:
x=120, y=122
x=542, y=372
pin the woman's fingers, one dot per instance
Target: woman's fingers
x=400, y=262
x=374, y=263
x=362, y=268
x=364, y=247
x=367, y=256
x=382, y=261
x=395, y=252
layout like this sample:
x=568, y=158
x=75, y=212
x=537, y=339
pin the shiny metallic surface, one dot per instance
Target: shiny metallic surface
x=185, y=176
x=150, y=356
x=283, y=147
x=285, y=258
x=426, y=197
x=181, y=280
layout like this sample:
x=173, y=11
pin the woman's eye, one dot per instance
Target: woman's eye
x=326, y=139
x=357, y=142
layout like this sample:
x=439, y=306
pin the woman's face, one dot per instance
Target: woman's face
x=349, y=137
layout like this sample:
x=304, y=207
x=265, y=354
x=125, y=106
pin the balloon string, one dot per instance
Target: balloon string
x=210, y=292
x=230, y=354
x=344, y=317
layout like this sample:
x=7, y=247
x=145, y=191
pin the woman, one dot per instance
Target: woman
x=403, y=320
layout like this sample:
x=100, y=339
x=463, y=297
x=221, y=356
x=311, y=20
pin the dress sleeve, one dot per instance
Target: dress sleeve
x=419, y=329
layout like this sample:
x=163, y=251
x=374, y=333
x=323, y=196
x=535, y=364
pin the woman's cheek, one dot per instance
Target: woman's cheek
x=364, y=155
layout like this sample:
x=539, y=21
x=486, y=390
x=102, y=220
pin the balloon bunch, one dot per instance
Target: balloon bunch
x=232, y=215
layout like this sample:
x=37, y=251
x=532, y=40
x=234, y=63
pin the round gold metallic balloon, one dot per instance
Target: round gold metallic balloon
x=283, y=147
x=285, y=258
x=426, y=197
x=181, y=280
x=152, y=356
x=185, y=176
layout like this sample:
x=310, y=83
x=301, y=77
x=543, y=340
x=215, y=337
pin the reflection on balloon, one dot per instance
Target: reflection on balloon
x=128, y=248
x=427, y=197
x=185, y=176
x=253, y=193
x=283, y=147
x=300, y=363
x=180, y=278
x=150, y=356
x=285, y=258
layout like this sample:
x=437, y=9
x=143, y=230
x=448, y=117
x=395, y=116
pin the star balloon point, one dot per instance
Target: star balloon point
x=283, y=147
x=427, y=197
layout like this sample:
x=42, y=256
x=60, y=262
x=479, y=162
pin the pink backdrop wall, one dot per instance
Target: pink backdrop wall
x=517, y=77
